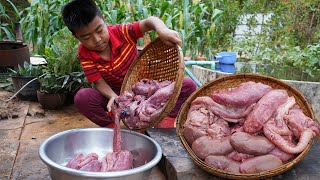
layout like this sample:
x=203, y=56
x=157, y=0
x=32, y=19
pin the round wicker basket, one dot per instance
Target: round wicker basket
x=161, y=62
x=233, y=81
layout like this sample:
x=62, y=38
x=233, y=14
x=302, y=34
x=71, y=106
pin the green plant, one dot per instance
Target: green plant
x=7, y=22
x=74, y=81
x=62, y=62
x=27, y=70
x=42, y=21
x=62, y=54
x=51, y=84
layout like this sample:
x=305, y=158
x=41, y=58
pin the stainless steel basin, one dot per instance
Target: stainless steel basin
x=58, y=149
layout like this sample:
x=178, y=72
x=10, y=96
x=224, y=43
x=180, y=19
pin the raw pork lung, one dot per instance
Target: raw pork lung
x=206, y=145
x=115, y=161
x=147, y=102
x=249, y=144
x=223, y=163
x=264, y=110
x=119, y=159
x=260, y=164
x=241, y=96
x=229, y=114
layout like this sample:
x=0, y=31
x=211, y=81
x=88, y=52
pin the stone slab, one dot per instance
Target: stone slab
x=28, y=165
x=67, y=114
x=9, y=143
x=53, y=123
x=176, y=165
x=21, y=109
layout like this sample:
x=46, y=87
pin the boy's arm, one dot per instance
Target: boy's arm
x=102, y=86
x=168, y=36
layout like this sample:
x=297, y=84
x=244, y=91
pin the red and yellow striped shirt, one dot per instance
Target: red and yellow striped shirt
x=123, y=40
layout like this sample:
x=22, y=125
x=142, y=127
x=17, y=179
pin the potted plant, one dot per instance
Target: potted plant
x=62, y=60
x=72, y=83
x=51, y=94
x=25, y=81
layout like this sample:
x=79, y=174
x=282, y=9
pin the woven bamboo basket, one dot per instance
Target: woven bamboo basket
x=161, y=62
x=233, y=81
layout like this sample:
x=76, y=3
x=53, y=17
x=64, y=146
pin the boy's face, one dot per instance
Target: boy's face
x=95, y=36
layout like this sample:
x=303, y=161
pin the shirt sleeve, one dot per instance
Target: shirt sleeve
x=131, y=31
x=90, y=70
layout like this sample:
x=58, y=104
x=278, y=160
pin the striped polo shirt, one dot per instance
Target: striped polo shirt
x=123, y=40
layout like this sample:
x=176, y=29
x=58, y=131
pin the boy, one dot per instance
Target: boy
x=105, y=54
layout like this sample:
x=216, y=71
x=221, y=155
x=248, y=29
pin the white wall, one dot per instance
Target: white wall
x=243, y=28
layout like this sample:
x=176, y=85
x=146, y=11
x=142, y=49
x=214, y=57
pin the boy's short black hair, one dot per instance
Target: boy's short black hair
x=79, y=13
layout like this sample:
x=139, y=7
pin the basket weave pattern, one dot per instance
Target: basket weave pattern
x=230, y=82
x=160, y=62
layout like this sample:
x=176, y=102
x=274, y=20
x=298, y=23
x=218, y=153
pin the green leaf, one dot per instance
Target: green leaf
x=8, y=33
x=15, y=9
x=164, y=7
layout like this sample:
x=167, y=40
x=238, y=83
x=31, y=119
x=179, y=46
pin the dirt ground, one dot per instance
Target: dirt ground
x=24, y=125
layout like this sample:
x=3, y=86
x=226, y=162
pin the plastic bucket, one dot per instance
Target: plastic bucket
x=226, y=57
x=228, y=68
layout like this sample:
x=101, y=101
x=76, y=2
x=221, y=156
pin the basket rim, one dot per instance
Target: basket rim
x=177, y=87
x=212, y=170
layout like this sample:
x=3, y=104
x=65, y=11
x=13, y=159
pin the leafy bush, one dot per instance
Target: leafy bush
x=74, y=81
x=7, y=22
x=27, y=70
x=62, y=54
x=42, y=21
x=51, y=83
x=63, y=66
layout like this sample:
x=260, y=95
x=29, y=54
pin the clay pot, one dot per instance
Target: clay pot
x=51, y=101
x=201, y=58
x=13, y=53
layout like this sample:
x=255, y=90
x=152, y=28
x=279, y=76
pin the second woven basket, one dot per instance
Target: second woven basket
x=232, y=81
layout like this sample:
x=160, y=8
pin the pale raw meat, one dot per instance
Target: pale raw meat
x=93, y=166
x=148, y=87
x=73, y=163
x=240, y=157
x=201, y=122
x=249, y=144
x=85, y=163
x=264, y=110
x=230, y=114
x=145, y=103
x=298, y=122
x=223, y=163
x=241, y=96
x=282, y=155
x=154, y=105
x=206, y=145
x=117, y=161
x=260, y=164
x=302, y=127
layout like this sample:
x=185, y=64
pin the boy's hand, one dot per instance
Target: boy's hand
x=170, y=37
x=111, y=103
